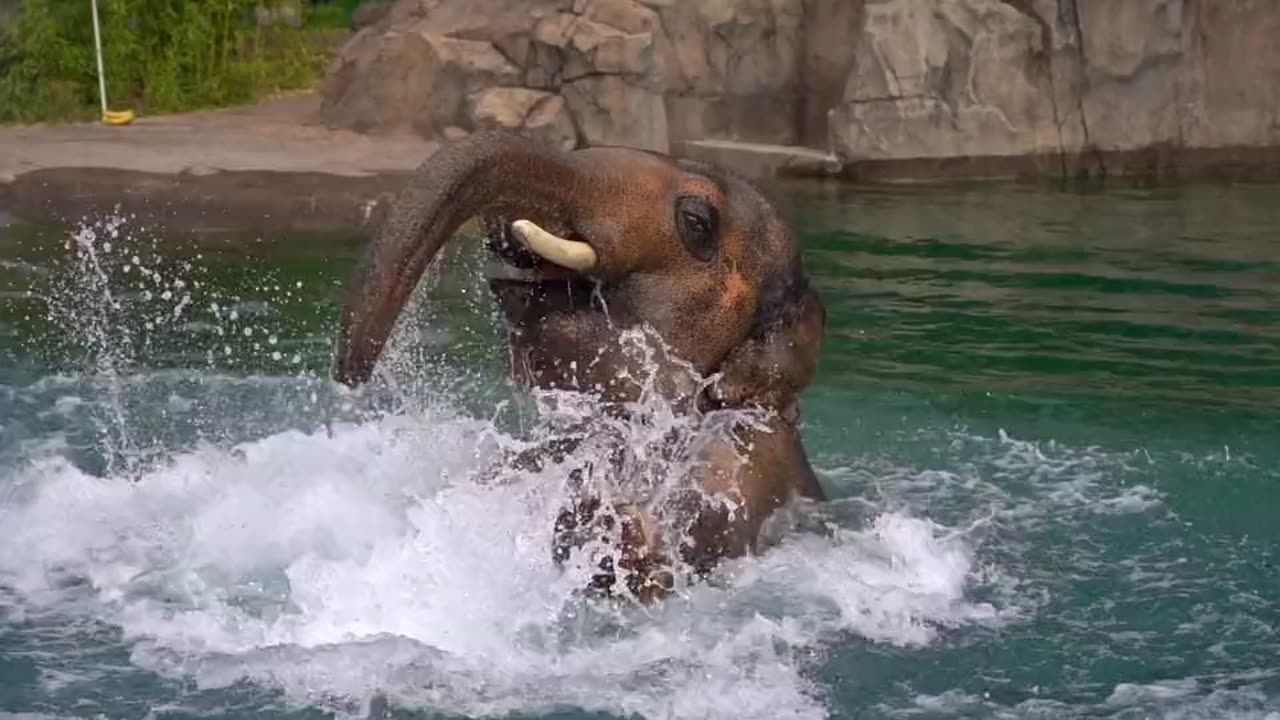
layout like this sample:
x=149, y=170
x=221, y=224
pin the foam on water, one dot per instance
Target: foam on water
x=393, y=558
x=1238, y=696
x=344, y=567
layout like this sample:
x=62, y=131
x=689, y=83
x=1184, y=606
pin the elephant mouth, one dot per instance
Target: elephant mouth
x=535, y=273
x=573, y=254
x=525, y=253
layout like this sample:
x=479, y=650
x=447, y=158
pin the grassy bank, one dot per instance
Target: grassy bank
x=161, y=55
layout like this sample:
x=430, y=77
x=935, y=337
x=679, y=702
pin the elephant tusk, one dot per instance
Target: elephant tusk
x=565, y=253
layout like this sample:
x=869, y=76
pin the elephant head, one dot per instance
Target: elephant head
x=605, y=239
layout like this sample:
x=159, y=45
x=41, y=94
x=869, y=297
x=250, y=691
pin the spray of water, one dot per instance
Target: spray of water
x=349, y=553
x=88, y=312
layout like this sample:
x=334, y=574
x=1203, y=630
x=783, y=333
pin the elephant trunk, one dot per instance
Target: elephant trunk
x=488, y=172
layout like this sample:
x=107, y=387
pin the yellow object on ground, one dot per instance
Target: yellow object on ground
x=117, y=117
x=109, y=117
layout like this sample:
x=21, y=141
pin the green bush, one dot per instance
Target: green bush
x=160, y=56
x=332, y=14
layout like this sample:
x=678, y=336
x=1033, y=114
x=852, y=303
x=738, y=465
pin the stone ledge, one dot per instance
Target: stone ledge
x=279, y=135
x=259, y=166
x=310, y=193
x=1159, y=164
x=238, y=200
x=762, y=161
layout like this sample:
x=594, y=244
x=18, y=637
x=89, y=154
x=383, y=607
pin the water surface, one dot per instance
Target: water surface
x=1048, y=422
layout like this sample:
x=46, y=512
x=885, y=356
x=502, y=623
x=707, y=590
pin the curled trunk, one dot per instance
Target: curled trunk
x=496, y=173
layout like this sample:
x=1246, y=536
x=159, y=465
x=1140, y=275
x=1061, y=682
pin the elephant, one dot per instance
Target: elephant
x=599, y=241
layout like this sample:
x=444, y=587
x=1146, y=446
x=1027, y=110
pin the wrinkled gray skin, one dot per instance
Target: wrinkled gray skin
x=696, y=254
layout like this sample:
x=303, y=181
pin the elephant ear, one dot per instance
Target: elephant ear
x=778, y=358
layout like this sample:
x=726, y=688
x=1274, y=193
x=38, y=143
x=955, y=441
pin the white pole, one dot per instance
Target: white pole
x=97, y=43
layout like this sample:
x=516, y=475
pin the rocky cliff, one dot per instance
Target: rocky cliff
x=1045, y=86
x=1076, y=85
x=592, y=71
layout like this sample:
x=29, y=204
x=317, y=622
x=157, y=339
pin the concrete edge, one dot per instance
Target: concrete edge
x=760, y=161
x=276, y=200
x=1154, y=164
x=240, y=200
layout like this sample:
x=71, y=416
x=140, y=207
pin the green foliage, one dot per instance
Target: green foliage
x=160, y=56
x=332, y=14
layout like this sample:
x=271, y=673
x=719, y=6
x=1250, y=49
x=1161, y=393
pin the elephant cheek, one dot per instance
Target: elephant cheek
x=736, y=292
x=710, y=320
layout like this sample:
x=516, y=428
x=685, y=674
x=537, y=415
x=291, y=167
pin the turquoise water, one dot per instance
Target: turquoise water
x=1048, y=422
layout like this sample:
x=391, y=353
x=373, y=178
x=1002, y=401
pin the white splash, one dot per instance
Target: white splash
x=386, y=561
x=370, y=563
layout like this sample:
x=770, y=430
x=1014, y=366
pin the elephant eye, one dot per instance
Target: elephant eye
x=698, y=223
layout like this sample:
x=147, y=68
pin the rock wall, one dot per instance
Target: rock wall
x=1090, y=86
x=1061, y=86
x=647, y=74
